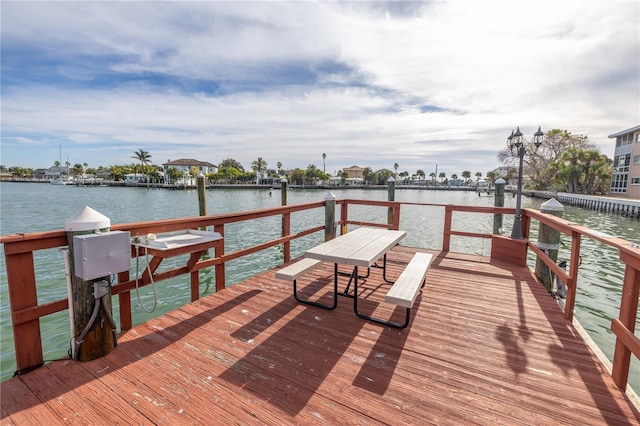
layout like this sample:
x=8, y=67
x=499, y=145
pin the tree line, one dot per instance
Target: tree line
x=564, y=162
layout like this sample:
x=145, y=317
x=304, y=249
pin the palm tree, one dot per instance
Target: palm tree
x=395, y=167
x=77, y=169
x=259, y=166
x=324, y=168
x=466, y=175
x=144, y=158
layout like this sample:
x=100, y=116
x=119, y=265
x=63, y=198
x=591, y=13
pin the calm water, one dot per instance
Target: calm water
x=31, y=207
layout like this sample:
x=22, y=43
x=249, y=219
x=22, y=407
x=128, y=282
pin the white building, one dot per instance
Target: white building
x=625, y=180
x=186, y=165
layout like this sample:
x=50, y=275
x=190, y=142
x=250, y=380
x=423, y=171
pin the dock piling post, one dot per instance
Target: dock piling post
x=283, y=192
x=391, y=193
x=498, y=202
x=549, y=241
x=286, y=222
x=99, y=337
x=329, y=216
x=202, y=200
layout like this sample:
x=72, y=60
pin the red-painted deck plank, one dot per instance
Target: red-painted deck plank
x=486, y=345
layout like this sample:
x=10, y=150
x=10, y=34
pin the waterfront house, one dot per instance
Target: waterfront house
x=185, y=165
x=39, y=174
x=354, y=172
x=133, y=178
x=337, y=181
x=56, y=172
x=625, y=179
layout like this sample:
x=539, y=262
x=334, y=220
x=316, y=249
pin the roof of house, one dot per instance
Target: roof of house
x=188, y=162
x=58, y=169
x=624, y=132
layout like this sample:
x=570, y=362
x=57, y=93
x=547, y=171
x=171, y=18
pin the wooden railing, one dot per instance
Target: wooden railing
x=623, y=327
x=19, y=250
x=26, y=311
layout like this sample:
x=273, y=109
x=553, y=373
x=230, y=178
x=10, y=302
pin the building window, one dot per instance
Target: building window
x=635, y=181
x=621, y=163
x=636, y=159
x=619, y=183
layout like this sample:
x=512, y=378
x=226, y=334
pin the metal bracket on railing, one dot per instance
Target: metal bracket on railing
x=546, y=247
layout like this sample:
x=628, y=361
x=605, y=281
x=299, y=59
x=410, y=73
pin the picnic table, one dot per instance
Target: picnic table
x=363, y=247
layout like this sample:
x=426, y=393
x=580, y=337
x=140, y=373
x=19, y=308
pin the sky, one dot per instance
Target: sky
x=421, y=84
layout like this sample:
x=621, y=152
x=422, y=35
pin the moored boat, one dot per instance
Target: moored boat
x=61, y=180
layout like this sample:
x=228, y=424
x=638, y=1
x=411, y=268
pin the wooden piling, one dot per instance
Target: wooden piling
x=498, y=202
x=286, y=222
x=283, y=192
x=329, y=216
x=202, y=200
x=99, y=339
x=391, y=195
x=549, y=241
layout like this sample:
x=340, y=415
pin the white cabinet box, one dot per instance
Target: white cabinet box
x=99, y=255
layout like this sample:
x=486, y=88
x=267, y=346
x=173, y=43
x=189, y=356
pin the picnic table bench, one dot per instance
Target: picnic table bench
x=363, y=247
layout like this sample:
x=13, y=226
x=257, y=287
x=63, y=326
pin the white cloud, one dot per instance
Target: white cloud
x=297, y=79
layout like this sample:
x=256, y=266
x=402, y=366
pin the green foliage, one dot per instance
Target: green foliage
x=77, y=170
x=343, y=177
x=583, y=171
x=117, y=172
x=297, y=176
x=20, y=172
x=230, y=162
x=315, y=176
x=564, y=160
x=173, y=174
x=144, y=157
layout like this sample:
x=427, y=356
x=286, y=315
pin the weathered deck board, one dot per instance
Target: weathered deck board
x=486, y=345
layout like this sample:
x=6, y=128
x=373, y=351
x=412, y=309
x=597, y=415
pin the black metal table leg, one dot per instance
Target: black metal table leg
x=374, y=319
x=318, y=304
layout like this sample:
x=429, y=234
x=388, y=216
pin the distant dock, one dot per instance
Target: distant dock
x=620, y=206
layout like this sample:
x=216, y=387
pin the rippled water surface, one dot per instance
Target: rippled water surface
x=30, y=207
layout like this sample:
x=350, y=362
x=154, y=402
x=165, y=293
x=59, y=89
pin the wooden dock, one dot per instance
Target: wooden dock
x=487, y=345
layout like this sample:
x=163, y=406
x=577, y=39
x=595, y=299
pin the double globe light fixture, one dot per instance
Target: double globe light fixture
x=515, y=142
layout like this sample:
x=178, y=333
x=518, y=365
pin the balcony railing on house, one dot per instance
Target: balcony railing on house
x=26, y=311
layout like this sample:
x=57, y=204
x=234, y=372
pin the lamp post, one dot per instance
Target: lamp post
x=515, y=141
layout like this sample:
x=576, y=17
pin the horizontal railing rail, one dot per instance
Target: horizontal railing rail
x=26, y=311
x=624, y=326
x=19, y=251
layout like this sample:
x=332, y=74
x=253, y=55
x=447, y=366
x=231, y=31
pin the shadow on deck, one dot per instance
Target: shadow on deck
x=486, y=345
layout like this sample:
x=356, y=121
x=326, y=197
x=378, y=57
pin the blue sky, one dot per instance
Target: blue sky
x=368, y=83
